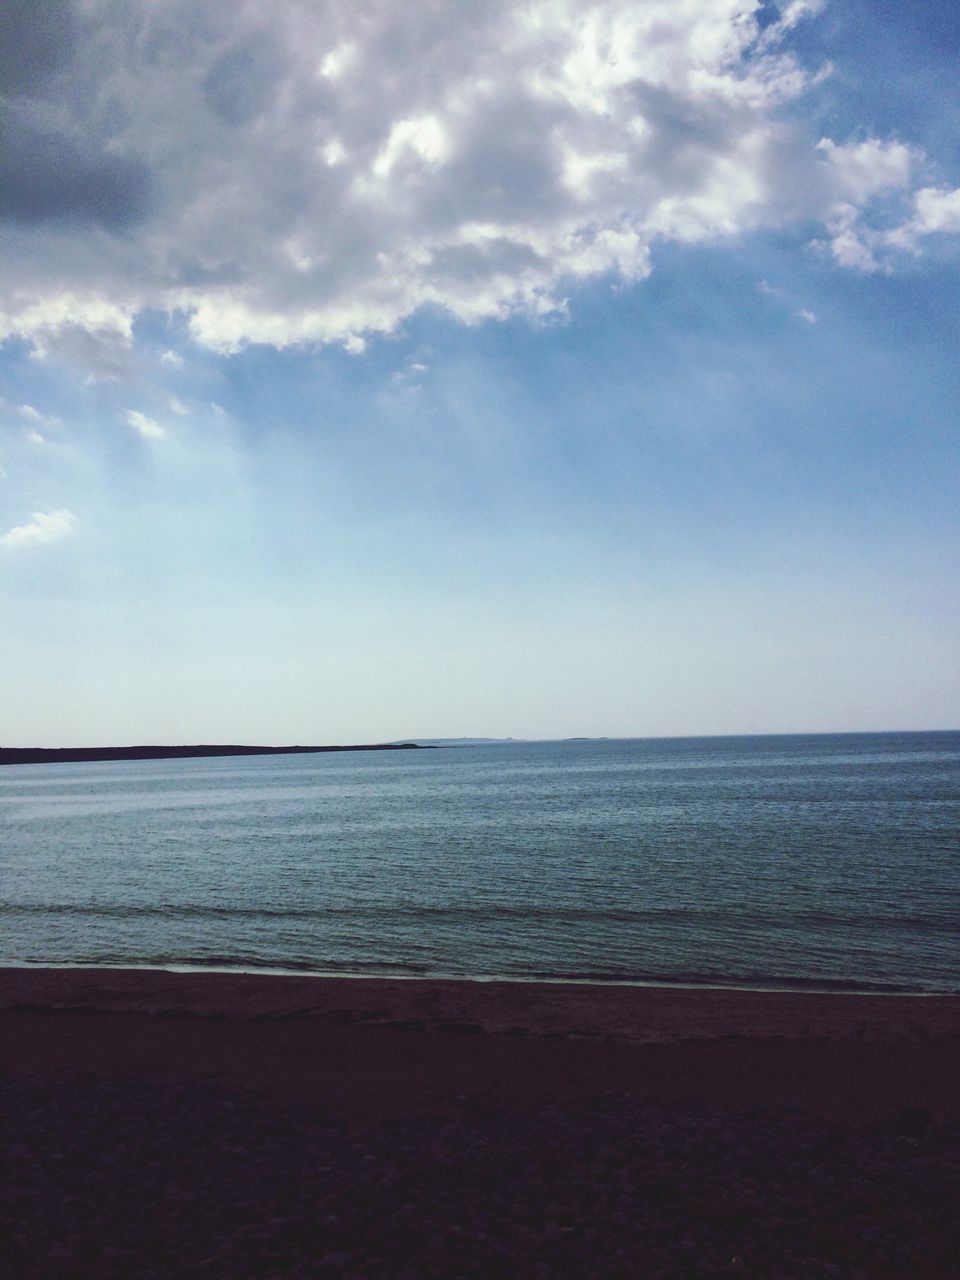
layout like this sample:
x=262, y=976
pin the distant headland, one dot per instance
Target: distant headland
x=79, y=755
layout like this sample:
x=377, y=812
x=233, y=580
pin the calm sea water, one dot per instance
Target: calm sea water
x=799, y=861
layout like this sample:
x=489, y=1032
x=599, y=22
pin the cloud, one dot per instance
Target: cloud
x=792, y=13
x=90, y=331
x=935, y=211
x=51, y=171
x=31, y=414
x=38, y=419
x=35, y=41
x=855, y=243
x=311, y=174
x=863, y=170
x=411, y=374
x=35, y=421
x=46, y=175
x=145, y=427
x=852, y=244
x=43, y=526
x=28, y=413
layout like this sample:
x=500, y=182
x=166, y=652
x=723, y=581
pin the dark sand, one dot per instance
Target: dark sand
x=163, y=1124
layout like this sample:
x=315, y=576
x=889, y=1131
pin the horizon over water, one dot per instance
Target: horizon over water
x=813, y=861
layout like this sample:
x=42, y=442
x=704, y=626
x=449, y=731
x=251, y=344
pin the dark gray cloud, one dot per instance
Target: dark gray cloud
x=48, y=176
x=239, y=85
x=36, y=39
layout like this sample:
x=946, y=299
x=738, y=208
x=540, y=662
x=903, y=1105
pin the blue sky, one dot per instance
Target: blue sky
x=533, y=370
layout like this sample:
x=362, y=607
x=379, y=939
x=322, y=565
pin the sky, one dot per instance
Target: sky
x=532, y=368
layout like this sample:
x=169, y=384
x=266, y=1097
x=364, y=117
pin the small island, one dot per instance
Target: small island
x=79, y=755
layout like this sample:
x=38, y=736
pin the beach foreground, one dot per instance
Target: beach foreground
x=161, y=1124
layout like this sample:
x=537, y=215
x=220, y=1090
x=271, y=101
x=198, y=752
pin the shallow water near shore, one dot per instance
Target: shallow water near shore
x=823, y=861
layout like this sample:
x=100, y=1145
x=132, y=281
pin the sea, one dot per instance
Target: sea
x=781, y=862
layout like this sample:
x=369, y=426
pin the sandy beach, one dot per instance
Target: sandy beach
x=161, y=1124
x=370, y=1045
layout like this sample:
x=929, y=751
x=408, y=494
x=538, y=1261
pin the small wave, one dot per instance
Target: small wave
x=679, y=978
x=737, y=981
x=234, y=961
x=493, y=912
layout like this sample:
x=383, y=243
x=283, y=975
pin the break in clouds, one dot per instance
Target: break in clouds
x=316, y=172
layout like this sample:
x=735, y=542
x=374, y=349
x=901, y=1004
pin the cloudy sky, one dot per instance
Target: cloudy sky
x=532, y=368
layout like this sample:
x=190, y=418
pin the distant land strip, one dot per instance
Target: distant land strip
x=78, y=755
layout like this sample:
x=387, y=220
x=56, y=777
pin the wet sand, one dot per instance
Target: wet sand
x=376, y=1046
x=393, y=1128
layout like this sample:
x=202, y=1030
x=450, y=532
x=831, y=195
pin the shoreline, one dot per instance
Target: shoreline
x=769, y=986
x=637, y=1015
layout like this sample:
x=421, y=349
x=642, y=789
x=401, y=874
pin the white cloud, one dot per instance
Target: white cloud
x=411, y=373
x=810, y=317
x=86, y=328
x=796, y=10
x=305, y=173
x=862, y=170
x=43, y=526
x=420, y=142
x=852, y=245
x=338, y=60
x=860, y=173
x=38, y=420
x=35, y=420
x=145, y=427
x=937, y=210
x=334, y=153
